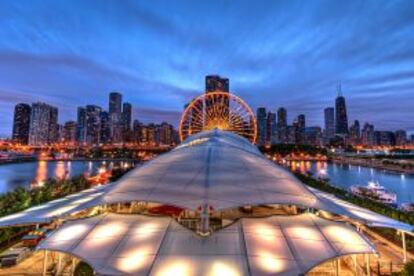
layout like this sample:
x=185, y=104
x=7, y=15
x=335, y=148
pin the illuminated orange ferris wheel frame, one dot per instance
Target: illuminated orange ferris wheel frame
x=220, y=110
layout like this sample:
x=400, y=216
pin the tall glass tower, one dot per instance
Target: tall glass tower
x=341, y=118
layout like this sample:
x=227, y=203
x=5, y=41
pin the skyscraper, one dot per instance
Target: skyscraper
x=69, y=132
x=216, y=83
x=93, y=124
x=21, y=123
x=368, y=138
x=53, y=125
x=261, y=125
x=329, y=113
x=341, y=118
x=271, y=128
x=166, y=134
x=115, y=111
x=137, y=131
x=81, y=125
x=401, y=137
x=282, y=125
x=355, y=133
x=105, y=127
x=43, y=124
x=300, y=125
x=126, y=121
x=313, y=136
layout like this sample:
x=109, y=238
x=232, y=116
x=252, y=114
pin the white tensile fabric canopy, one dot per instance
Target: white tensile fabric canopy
x=116, y=244
x=217, y=168
x=47, y=212
x=342, y=207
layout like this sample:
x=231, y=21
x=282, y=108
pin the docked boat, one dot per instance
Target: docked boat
x=375, y=192
x=407, y=207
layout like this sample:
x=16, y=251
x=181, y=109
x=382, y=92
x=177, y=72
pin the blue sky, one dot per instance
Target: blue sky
x=276, y=53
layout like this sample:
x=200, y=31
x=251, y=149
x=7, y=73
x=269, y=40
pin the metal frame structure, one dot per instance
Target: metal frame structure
x=221, y=110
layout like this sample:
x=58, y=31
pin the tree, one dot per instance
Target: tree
x=408, y=270
x=83, y=269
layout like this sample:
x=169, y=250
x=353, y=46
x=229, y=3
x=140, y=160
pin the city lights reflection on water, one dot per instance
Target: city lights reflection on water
x=344, y=176
x=25, y=174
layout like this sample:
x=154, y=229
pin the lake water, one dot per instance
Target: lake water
x=345, y=176
x=23, y=174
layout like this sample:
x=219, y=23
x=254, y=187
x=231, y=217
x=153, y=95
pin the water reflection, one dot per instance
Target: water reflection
x=41, y=173
x=345, y=176
x=25, y=174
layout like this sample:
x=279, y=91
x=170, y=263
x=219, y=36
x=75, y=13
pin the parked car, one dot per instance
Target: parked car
x=32, y=240
x=13, y=256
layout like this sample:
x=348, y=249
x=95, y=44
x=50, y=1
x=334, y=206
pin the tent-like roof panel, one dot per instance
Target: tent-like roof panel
x=215, y=167
x=45, y=213
x=139, y=245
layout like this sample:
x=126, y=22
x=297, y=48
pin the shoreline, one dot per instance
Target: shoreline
x=18, y=161
x=371, y=164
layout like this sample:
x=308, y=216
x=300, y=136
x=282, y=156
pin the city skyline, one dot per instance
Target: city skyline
x=289, y=54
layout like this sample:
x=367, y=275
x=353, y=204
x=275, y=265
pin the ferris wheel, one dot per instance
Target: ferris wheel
x=220, y=110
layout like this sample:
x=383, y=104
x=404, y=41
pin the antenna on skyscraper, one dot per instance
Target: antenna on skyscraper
x=339, y=89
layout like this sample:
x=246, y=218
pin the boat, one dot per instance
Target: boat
x=407, y=207
x=375, y=192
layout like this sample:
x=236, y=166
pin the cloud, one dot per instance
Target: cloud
x=290, y=54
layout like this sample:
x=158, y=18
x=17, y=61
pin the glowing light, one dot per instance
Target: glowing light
x=60, y=171
x=70, y=232
x=177, y=268
x=41, y=173
x=223, y=269
x=269, y=263
x=342, y=234
x=108, y=229
x=134, y=260
x=146, y=229
x=265, y=232
x=304, y=232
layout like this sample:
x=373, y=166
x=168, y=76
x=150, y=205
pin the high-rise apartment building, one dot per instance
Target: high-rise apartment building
x=126, y=121
x=384, y=138
x=271, y=128
x=93, y=124
x=43, y=124
x=313, y=136
x=69, y=133
x=21, y=123
x=329, y=115
x=105, y=127
x=81, y=125
x=282, y=125
x=53, y=126
x=367, y=135
x=261, y=126
x=401, y=138
x=355, y=133
x=215, y=83
x=166, y=134
x=300, y=125
x=115, y=112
